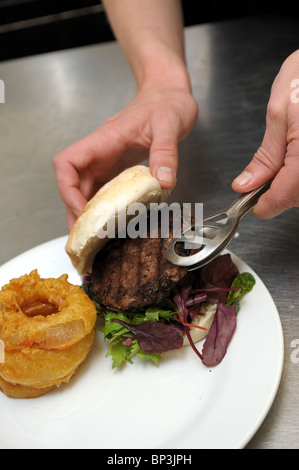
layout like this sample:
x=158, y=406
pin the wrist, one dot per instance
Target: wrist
x=166, y=70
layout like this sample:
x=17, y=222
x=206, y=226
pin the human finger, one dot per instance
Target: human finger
x=282, y=195
x=163, y=155
x=284, y=191
x=71, y=218
x=68, y=182
x=269, y=157
x=86, y=162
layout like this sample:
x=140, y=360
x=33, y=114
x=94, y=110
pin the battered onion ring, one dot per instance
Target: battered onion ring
x=46, y=313
x=39, y=368
x=20, y=391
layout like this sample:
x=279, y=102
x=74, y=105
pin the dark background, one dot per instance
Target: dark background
x=30, y=27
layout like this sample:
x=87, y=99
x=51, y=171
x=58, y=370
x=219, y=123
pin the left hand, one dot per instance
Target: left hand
x=150, y=126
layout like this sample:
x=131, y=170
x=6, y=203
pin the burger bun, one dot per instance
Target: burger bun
x=135, y=184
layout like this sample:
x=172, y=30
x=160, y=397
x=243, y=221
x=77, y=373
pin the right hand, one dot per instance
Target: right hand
x=278, y=156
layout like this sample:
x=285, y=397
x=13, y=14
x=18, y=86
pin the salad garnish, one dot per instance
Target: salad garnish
x=156, y=329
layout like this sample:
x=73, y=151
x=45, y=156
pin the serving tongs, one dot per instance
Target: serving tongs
x=214, y=235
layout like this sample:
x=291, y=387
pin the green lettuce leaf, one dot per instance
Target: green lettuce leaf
x=123, y=345
x=246, y=282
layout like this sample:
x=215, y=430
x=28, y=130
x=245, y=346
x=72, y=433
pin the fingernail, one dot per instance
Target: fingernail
x=165, y=174
x=243, y=178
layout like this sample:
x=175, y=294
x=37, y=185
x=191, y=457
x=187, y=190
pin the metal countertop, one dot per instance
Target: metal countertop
x=55, y=99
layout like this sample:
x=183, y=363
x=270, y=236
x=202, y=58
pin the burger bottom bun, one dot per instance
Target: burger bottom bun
x=205, y=321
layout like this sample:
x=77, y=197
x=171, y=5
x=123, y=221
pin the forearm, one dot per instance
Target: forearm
x=150, y=33
x=151, y=125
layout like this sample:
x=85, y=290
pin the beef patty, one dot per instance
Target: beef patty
x=131, y=273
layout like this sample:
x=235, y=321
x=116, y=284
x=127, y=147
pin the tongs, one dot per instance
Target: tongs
x=216, y=232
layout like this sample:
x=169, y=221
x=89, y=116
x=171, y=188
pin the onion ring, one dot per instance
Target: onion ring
x=44, y=313
x=20, y=391
x=44, y=368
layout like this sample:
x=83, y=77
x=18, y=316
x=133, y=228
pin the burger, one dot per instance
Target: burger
x=150, y=306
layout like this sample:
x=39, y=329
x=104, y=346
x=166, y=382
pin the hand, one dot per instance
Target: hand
x=150, y=126
x=278, y=155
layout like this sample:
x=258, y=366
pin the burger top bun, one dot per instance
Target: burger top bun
x=136, y=184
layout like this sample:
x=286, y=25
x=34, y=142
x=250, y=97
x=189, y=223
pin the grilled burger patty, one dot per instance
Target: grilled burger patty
x=131, y=273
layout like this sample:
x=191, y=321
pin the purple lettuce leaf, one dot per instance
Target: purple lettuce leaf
x=219, y=273
x=220, y=334
x=154, y=337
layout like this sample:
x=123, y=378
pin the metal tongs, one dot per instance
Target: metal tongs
x=216, y=232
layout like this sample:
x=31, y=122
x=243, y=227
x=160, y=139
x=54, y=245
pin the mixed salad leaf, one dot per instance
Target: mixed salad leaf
x=147, y=334
x=247, y=281
x=151, y=331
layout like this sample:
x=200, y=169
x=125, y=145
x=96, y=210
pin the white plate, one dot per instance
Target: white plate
x=180, y=404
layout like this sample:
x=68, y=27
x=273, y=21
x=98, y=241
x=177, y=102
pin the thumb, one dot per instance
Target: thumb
x=269, y=157
x=276, y=158
x=163, y=157
x=284, y=191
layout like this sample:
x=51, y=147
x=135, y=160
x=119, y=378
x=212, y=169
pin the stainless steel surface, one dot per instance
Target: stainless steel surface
x=54, y=99
x=215, y=233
